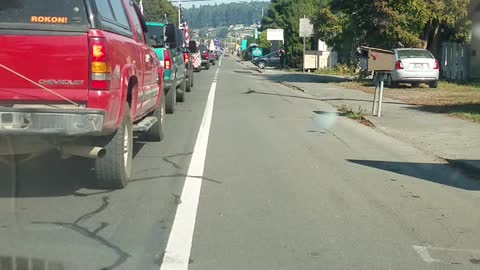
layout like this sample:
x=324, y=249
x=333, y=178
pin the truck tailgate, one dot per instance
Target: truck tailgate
x=59, y=63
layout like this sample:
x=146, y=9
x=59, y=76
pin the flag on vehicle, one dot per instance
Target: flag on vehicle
x=184, y=27
x=141, y=5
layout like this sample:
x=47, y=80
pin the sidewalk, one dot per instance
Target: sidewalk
x=456, y=140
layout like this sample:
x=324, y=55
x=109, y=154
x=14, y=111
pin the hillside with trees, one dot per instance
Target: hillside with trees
x=224, y=14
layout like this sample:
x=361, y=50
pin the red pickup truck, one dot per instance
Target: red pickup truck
x=79, y=76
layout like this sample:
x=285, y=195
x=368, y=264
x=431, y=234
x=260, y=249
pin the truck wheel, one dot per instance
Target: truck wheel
x=181, y=91
x=171, y=100
x=157, y=132
x=207, y=66
x=115, y=168
x=189, y=83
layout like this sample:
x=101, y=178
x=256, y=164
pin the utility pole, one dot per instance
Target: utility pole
x=179, y=13
x=304, y=49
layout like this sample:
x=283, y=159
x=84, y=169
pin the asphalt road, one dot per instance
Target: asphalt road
x=287, y=184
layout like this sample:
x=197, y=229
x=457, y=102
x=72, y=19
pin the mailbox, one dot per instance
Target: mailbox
x=374, y=59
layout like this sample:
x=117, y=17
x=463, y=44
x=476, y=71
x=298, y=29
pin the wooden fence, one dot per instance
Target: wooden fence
x=454, y=64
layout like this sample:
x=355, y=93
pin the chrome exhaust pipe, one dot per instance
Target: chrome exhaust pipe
x=93, y=152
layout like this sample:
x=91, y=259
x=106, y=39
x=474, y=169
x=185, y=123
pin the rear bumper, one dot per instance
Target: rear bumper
x=415, y=76
x=59, y=122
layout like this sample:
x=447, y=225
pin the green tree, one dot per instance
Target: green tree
x=223, y=32
x=286, y=14
x=346, y=24
x=159, y=10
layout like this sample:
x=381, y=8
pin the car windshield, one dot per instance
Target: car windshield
x=239, y=135
x=156, y=30
x=405, y=54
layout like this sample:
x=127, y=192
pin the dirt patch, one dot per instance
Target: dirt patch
x=357, y=115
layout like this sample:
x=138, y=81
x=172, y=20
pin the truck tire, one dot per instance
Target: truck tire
x=157, y=132
x=433, y=84
x=171, y=100
x=189, y=83
x=207, y=66
x=181, y=91
x=115, y=168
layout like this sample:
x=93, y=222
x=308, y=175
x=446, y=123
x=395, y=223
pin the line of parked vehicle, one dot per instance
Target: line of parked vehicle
x=87, y=80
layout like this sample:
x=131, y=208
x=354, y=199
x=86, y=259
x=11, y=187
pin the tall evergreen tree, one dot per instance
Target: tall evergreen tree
x=286, y=14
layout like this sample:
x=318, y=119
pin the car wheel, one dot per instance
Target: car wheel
x=115, y=168
x=415, y=85
x=157, y=132
x=391, y=83
x=181, y=91
x=433, y=84
x=207, y=66
x=189, y=83
x=261, y=64
x=171, y=100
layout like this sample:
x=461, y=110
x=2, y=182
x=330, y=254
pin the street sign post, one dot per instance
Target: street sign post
x=275, y=34
x=306, y=30
x=244, y=45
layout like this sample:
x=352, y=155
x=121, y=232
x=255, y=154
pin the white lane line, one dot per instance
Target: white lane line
x=179, y=245
x=424, y=254
x=464, y=250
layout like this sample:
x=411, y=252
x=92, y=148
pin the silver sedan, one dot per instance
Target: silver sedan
x=414, y=66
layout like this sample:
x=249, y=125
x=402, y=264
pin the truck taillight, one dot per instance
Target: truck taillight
x=207, y=55
x=436, y=65
x=167, y=60
x=398, y=64
x=186, y=57
x=99, y=65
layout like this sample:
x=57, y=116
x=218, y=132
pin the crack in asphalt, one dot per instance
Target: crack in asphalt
x=76, y=227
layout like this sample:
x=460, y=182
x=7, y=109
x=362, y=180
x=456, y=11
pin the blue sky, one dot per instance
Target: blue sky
x=199, y=3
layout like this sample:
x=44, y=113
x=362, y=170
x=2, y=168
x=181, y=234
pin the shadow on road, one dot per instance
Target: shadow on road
x=299, y=77
x=251, y=91
x=49, y=176
x=443, y=174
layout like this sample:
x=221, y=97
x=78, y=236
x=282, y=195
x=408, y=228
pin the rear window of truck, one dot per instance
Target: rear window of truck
x=28, y=14
x=157, y=30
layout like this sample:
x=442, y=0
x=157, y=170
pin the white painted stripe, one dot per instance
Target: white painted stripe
x=424, y=254
x=177, y=253
x=464, y=250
